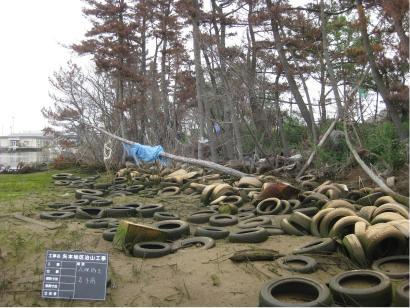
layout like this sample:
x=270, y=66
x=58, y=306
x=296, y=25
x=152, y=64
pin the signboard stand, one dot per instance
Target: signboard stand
x=75, y=275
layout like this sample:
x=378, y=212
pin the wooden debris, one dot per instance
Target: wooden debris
x=255, y=255
x=47, y=225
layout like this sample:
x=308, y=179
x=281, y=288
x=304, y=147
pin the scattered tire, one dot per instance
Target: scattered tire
x=354, y=195
x=160, y=216
x=345, y=226
x=61, y=176
x=292, y=229
x=386, y=217
x=331, y=218
x=383, y=200
x=301, y=220
x=120, y=180
x=269, y=206
x=294, y=204
x=151, y=249
x=57, y=205
x=247, y=209
x=80, y=202
x=169, y=191
x=395, y=267
x=135, y=188
x=89, y=212
x=149, y=210
x=317, y=219
x=252, y=235
x=174, y=229
x=62, y=182
x=308, y=211
x=101, y=223
x=113, y=224
x=370, y=199
x=295, y=291
x=339, y=203
x=202, y=241
x=109, y=234
x=70, y=208
x=383, y=240
x=255, y=222
x=392, y=207
x=298, y=264
x=101, y=202
x=201, y=217
x=245, y=215
x=366, y=212
x=120, y=211
x=56, y=215
x=361, y=288
x=402, y=226
x=90, y=192
x=401, y=294
x=360, y=230
x=273, y=230
x=222, y=220
x=212, y=232
x=355, y=250
x=286, y=208
x=323, y=245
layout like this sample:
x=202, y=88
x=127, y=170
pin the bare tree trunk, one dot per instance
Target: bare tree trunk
x=279, y=118
x=381, y=86
x=287, y=69
x=322, y=99
x=200, y=86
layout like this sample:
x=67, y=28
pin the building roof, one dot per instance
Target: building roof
x=38, y=135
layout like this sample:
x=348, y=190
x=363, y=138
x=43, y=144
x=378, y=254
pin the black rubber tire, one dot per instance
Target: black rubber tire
x=354, y=250
x=292, y=229
x=56, y=215
x=317, y=219
x=149, y=210
x=247, y=209
x=345, y=226
x=169, y=191
x=91, y=198
x=62, y=182
x=300, y=219
x=174, y=229
x=331, y=218
x=120, y=180
x=379, y=294
x=251, y=235
x=80, y=202
x=308, y=211
x=245, y=216
x=120, y=211
x=212, y=232
x=109, y=234
x=310, y=292
x=204, y=242
x=323, y=245
x=135, y=188
x=269, y=206
x=57, y=205
x=70, y=208
x=222, y=220
x=101, y=202
x=366, y=212
x=286, y=207
x=294, y=204
x=255, y=222
x=101, y=223
x=273, y=230
x=113, y=224
x=90, y=213
x=201, y=217
x=102, y=186
x=91, y=192
x=61, y=176
x=401, y=295
x=160, y=216
x=403, y=259
x=370, y=198
x=151, y=249
x=309, y=264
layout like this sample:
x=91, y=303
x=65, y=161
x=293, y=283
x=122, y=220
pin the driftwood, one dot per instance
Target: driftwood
x=400, y=198
x=255, y=255
x=192, y=161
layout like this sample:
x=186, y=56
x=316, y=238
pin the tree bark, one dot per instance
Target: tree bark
x=287, y=69
x=377, y=77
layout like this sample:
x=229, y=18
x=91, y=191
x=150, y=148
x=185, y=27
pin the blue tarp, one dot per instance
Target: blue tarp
x=145, y=153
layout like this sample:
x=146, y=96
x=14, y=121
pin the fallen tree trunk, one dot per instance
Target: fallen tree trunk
x=400, y=198
x=192, y=161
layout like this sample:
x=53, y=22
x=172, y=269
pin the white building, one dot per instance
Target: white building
x=25, y=142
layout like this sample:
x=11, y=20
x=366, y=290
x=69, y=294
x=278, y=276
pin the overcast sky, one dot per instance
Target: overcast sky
x=31, y=33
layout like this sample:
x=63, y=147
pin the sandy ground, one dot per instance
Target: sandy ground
x=189, y=277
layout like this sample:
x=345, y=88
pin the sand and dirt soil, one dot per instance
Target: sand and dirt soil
x=189, y=277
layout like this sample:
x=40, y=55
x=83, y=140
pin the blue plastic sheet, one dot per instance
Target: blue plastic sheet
x=145, y=153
